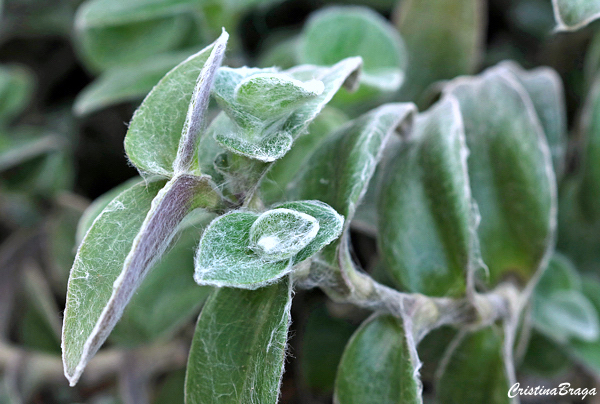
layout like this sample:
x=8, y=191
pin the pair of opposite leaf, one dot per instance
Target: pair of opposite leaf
x=241, y=249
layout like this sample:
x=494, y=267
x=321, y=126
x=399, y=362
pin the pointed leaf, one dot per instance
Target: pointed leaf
x=477, y=362
x=330, y=225
x=237, y=354
x=444, y=39
x=510, y=172
x=574, y=14
x=377, y=366
x=154, y=134
x=280, y=233
x=339, y=32
x=98, y=263
x=86, y=327
x=224, y=256
x=426, y=219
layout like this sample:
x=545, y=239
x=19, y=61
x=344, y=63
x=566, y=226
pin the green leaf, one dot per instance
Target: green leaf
x=26, y=144
x=588, y=352
x=544, y=87
x=155, y=131
x=107, y=13
x=510, y=172
x=340, y=32
x=138, y=40
x=544, y=357
x=125, y=83
x=279, y=234
x=560, y=274
x=110, y=279
x=16, y=89
x=444, y=39
x=98, y=263
x=427, y=222
x=275, y=139
x=475, y=371
x=589, y=187
x=224, y=257
x=283, y=170
x=168, y=297
x=566, y=314
x=237, y=354
x=96, y=207
x=339, y=171
x=571, y=15
x=330, y=225
x=377, y=366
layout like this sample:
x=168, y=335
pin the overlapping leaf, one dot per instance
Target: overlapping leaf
x=264, y=123
x=155, y=131
x=340, y=32
x=427, y=222
x=247, y=250
x=510, y=172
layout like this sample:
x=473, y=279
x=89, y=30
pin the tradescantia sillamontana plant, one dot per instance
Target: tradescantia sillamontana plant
x=466, y=207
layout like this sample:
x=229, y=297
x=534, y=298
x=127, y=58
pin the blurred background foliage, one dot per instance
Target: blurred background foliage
x=72, y=73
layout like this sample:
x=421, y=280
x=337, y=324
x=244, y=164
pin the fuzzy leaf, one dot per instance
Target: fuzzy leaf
x=377, y=366
x=154, y=134
x=339, y=171
x=96, y=207
x=571, y=15
x=86, y=326
x=545, y=89
x=237, y=354
x=275, y=139
x=330, y=225
x=98, y=263
x=168, y=297
x=284, y=169
x=476, y=362
x=510, y=171
x=279, y=234
x=125, y=83
x=444, y=40
x=224, y=257
x=427, y=223
x=340, y=32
